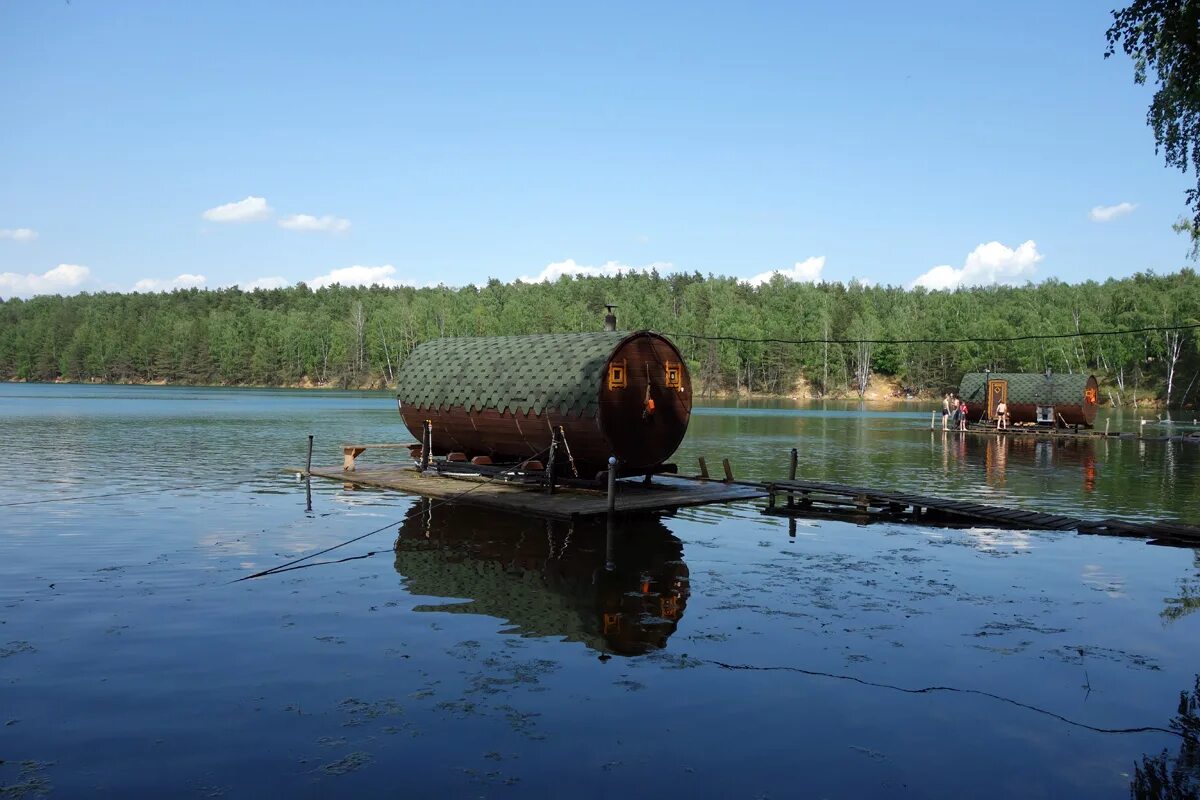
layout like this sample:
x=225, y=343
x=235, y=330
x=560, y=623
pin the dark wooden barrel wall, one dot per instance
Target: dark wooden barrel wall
x=623, y=426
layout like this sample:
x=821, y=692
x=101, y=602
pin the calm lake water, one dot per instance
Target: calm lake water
x=493, y=656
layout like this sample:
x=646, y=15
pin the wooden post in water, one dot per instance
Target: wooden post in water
x=1106, y=426
x=932, y=414
x=426, y=444
x=792, y=477
x=609, y=563
x=703, y=468
x=308, y=475
x=728, y=470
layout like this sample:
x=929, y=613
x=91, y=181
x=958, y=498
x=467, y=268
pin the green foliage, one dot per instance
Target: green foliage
x=1163, y=38
x=354, y=336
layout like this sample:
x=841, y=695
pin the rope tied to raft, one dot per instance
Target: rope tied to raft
x=290, y=565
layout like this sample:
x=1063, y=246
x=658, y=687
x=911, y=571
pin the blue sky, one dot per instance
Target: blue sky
x=962, y=142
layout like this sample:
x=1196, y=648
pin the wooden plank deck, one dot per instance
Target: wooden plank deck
x=665, y=493
x=809, y=494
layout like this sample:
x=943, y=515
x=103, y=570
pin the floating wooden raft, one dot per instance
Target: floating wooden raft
x=665, y=493
x=803, y=496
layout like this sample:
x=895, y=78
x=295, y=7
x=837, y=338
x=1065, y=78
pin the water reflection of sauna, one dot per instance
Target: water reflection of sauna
x=1043, y=454
x=546, y=577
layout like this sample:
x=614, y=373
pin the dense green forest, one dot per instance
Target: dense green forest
x=353, y=336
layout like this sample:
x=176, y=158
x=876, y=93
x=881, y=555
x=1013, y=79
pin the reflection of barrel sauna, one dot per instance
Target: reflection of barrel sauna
x=1047, y=398
x=547, y=578
x=614, y=394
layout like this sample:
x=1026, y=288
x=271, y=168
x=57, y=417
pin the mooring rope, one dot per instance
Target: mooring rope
x=972, y=340
x=289, y=565
x=1182, y=734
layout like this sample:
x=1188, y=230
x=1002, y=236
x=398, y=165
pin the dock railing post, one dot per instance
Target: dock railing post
x=609, y=563
x=792, y=476
x=426, y=444
x=703, y=468
x=308, y=475
x=728, y=470
x=550, y=462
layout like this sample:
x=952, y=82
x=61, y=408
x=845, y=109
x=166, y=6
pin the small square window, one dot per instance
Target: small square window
x=617, y=378
x=674, y=375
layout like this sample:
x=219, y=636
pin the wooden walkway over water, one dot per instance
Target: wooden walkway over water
x=800, y=496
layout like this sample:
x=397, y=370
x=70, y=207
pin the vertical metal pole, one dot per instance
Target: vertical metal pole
x=792, y=476
x=308, y=474
x=612, y=484
x=609, y=562
x=550, y=461
x=426, y=445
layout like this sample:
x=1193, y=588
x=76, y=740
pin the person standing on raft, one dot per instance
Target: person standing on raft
x=946, y=411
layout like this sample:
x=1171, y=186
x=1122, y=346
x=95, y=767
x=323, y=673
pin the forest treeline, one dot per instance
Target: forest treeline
x=359, y=336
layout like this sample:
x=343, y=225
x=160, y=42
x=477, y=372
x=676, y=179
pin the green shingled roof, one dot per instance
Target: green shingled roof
x=562, y=371
x=1027, y=387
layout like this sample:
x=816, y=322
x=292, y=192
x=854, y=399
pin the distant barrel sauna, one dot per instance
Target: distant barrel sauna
x=627, y=395
x=1041, y=398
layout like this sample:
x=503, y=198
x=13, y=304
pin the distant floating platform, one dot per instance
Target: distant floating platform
x=1046, y=432
x=663, y=493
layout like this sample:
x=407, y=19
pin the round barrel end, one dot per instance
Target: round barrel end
x=1091, y=400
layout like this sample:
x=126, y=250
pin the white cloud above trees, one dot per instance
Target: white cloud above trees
x=184, y=281
x=556, y=270
x=359, y=275
x=63, y=278
x=988, y=264
x=806, y=271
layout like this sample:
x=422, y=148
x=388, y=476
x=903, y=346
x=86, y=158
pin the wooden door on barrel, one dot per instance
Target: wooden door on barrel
x=997, y=394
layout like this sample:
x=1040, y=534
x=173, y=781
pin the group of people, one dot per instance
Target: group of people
x=954, y=412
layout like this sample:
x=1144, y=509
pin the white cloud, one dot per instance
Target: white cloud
x=986, y=265
x=554, y=271
x=307, y=222
x=184, y=281
x=1109, y=213
x=251, y=209
x=59, y=279
x=18, y=234
x=359, y=275
x=806, y=271
x=274, y=282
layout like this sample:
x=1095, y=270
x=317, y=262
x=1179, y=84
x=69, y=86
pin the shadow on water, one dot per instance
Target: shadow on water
x=1174, y=777
x=546, y=577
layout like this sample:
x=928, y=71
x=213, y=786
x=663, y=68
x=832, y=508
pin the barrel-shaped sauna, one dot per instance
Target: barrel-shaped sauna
x=1031, y=397
x=614, y=394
